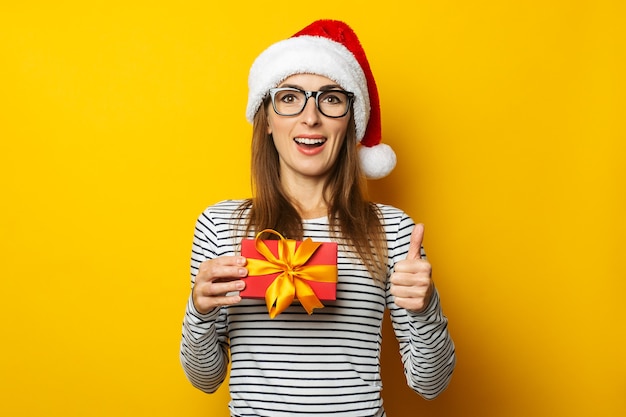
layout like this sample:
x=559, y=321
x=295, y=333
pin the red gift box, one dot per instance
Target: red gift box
x=317, y=270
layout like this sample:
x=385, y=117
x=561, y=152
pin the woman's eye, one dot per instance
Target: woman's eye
x=332, y=99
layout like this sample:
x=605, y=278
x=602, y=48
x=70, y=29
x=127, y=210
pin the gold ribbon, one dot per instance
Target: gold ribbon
x=293, y=273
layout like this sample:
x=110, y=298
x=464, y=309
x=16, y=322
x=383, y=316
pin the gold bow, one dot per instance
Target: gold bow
x=293, y=273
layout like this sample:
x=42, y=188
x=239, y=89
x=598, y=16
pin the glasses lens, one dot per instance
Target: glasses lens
x=289, y=102
x=334, y=103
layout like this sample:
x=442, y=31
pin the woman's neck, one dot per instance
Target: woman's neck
x=307, y=197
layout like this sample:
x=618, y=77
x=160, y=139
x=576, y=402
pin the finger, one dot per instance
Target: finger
x=204, y=300
x=223, y=268
x=400, y=291
x=220, y=288
x=227, y=300
x=415, y=246
x=229, y=260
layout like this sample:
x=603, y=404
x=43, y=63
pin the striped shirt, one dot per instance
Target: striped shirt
x=327, y=363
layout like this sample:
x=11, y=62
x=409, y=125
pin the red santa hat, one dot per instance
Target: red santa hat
x=332, y=49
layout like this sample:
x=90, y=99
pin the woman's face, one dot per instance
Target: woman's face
x=307, y=143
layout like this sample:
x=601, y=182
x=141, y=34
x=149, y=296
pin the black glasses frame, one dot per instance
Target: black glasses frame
x=307, y=96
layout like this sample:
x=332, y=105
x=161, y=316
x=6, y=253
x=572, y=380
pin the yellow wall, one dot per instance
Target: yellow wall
x=120, y=121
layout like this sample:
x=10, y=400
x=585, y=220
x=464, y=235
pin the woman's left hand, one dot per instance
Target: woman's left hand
x=411, y=281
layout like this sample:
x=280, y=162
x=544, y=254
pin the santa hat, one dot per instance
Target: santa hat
x=332, y=49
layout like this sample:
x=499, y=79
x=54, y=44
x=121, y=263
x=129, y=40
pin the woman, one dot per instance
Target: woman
x=316, y=136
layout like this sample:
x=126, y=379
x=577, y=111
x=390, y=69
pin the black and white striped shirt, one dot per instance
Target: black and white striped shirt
x=322, y=364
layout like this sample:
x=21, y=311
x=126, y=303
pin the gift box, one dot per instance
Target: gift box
x=281, y=271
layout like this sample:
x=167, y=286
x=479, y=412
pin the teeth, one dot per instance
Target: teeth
x=307, y=141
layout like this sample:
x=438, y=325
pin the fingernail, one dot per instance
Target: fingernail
x=243, y=272
x=241, y=261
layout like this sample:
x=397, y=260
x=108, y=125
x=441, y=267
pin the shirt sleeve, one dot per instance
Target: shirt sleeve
x=204, y=344
x=426, y=347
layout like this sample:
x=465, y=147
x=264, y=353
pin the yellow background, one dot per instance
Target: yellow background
x=120, y=121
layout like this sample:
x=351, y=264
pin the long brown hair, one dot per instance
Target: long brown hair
x=355, y=221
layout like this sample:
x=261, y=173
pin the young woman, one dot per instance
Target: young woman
x=316, y=137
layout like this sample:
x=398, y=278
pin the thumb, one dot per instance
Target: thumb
x=415, y=246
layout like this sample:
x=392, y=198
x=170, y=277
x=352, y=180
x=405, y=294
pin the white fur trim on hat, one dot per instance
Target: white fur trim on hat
x=309, y=55
x=377, y=161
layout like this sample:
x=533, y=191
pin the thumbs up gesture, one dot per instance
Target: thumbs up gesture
x=411, y=282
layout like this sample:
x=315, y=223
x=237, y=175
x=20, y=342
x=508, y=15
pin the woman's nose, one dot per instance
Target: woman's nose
x=311, y=113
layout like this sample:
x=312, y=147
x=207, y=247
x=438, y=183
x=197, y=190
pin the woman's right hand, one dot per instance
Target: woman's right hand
x=217, y=277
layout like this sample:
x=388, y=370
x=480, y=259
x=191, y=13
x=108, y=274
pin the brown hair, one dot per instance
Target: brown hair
x=355, y=221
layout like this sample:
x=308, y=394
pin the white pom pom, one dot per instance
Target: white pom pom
x=377, y=161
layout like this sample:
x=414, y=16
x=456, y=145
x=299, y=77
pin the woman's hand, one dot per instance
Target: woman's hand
x=217, y=277
x=411, y=282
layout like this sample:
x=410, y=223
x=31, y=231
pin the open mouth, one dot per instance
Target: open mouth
x=310, y=143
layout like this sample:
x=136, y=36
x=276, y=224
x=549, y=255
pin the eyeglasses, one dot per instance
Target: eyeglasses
x=289, y=101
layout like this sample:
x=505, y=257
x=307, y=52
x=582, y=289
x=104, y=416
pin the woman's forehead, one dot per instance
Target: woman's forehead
x=308, y=81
